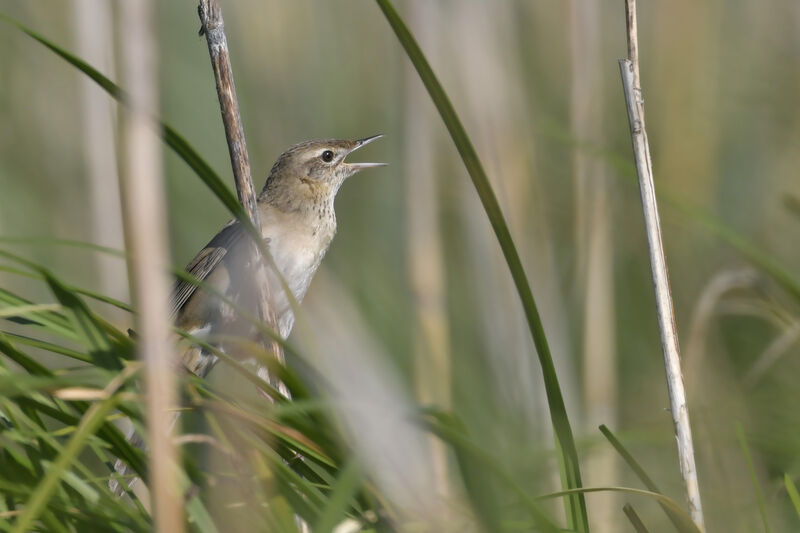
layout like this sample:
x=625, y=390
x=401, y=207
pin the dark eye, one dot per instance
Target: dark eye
x=327, y=156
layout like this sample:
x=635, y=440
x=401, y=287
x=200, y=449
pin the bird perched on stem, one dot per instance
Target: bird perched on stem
x=298, y=223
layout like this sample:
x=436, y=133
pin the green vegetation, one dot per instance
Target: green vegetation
x=367, y=437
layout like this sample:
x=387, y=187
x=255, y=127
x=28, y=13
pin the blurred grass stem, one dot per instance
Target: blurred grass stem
x=629, y=69
x=144, y=219
x=426, y=265
x=93, y=33
x=594, y=250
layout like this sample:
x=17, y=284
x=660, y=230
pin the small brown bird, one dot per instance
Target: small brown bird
x=298, y=223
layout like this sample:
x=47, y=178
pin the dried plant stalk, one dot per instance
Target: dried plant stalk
x=144, y=218
x=213, y=27
x=629, y=69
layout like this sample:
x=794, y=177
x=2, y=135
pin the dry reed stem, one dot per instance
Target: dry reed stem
x=213, y=27
x=629, y=69
x=144, y=218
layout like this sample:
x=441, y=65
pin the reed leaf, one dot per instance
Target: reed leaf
x=575, y=504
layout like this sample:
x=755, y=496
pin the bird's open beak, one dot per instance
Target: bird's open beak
x=355, y=167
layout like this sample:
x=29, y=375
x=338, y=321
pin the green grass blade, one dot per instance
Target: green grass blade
x=50, y=321
x=751, y=468
x=346, y=486
x=633, y=518
x=175, y=141
x=90, y=423
x=568, y=456
x=765, y=262
x=92, y=335
x=762, y=260
x=640, y=473
x=629, y=459
x=30, y=365
x=470, y=457
x=684, y=524
x=51, y=241
x=48, y=346
x=793, y=494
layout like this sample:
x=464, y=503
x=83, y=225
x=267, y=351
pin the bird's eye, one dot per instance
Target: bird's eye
x=327, y=156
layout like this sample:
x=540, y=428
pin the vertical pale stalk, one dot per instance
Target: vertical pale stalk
x=144, y=217
x=629, y=68
x=594, y=253
x=213, y=27
x=425, y=261
x=93, y=34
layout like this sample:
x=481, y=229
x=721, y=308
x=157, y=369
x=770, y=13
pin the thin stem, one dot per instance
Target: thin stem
x=629, y=69
x=634, y=519
x=213, y=27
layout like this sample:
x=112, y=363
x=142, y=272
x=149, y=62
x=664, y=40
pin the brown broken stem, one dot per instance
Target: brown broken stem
x=213, y=28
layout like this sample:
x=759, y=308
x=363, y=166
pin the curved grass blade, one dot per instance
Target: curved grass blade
x=676, y=519
x=447, y=428
x=92, y=488
x=565, y=443
x=50, y=241
x=51, y=321
x=177, y=143
x=94, y=295
x=27, y=363
x=91, y=334
x=684, y=524
x=91, y=422
x=764, y=261
x=22, y=310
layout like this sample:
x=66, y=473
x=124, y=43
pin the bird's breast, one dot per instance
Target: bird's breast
x=297, y=250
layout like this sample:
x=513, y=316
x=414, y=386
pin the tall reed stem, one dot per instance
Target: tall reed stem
x=213, y=27
x=629, y=69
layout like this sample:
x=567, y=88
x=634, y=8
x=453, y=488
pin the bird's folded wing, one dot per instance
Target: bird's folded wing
x=204, y=263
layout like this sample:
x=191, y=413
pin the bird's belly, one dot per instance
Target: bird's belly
x=297, y=268
x=297, y=258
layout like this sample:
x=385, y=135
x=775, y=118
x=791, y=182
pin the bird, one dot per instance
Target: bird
x=298, y=223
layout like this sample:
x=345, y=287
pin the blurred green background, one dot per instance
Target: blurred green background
x=537, y=86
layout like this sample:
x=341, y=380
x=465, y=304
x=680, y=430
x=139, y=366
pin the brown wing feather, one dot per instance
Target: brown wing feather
x=204, y=263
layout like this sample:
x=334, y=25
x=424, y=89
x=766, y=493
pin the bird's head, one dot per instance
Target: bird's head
x=312, y=172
